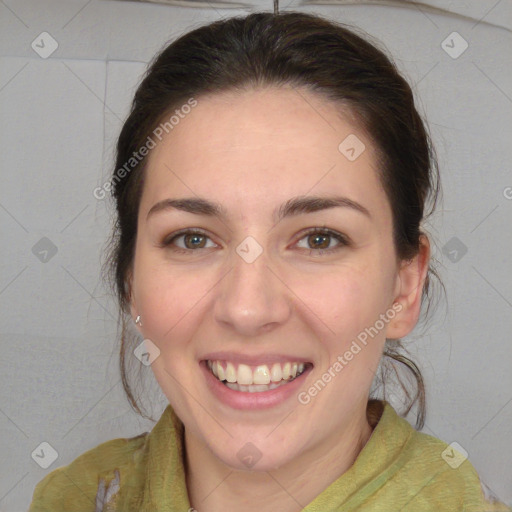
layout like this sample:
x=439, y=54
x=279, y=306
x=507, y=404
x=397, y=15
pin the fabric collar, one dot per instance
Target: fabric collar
x=165, y=482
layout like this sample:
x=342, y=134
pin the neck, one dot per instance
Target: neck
x=214, y=486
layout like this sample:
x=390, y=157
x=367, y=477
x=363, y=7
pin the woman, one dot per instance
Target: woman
x=270, y=184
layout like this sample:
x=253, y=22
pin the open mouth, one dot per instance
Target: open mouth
x=256, y=379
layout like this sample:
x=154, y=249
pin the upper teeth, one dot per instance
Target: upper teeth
x=260, y=375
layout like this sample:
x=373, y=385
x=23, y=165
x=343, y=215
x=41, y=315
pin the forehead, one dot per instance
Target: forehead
x=254, y=149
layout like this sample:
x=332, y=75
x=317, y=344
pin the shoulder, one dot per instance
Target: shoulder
x=419, y=472
x=93, y=476
x=440, y=476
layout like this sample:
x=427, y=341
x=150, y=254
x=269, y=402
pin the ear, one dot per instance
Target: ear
x=410, y=282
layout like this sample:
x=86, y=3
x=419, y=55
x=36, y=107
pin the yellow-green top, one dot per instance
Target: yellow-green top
x=399, y=469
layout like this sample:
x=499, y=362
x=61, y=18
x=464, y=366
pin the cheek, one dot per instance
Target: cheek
x=345, y=298
x=167, y=298
x=348, y=301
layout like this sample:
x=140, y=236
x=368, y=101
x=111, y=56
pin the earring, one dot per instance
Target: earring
x=137, y=321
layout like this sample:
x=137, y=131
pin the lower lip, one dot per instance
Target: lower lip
x=246, y=400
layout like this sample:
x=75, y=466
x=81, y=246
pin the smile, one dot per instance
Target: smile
x=256, y=379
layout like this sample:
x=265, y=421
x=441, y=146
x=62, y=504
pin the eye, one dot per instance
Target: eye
x=321, y=238
x=192, y=240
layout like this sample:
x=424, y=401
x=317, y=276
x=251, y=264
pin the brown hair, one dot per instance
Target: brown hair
x=302, y=50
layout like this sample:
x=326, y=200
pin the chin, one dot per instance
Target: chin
x=258, y=455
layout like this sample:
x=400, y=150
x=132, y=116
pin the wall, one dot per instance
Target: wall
x=60, y=115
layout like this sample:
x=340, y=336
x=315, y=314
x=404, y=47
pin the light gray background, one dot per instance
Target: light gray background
x=59, y=376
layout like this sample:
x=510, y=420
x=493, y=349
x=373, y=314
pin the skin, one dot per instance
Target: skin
x=252, y=152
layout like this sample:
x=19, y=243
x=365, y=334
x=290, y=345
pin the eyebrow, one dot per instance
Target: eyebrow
x=294, y=206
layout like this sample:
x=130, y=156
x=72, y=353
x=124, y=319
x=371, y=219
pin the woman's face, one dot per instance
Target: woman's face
x=256, y=290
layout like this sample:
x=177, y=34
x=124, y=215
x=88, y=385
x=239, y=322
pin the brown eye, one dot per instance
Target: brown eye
x=194, y=241
x=190, y=241
x=319, y=241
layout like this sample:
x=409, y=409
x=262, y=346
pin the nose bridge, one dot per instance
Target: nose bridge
x=251, y=296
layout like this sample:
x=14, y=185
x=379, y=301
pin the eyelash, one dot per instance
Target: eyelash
x=312, y=252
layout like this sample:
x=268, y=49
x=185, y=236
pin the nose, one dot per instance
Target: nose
x=252, y=298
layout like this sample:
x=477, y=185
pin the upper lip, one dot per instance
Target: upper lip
x=254, y=360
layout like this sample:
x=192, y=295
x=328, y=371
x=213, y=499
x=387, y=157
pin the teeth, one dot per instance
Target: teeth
x=286, y=371
x=220, y=371
x=262, y=377
x=254, y=388
x=244, y=375
x=276, y=374
x=230, y=373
